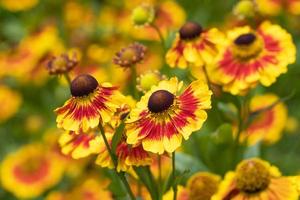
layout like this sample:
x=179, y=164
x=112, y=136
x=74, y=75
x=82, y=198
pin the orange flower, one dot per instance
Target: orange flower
x=268, y=124
x=255, y=179
x=89, y=105
x=162, y=117
x=252, y=56
x=193, y=46
x=31, y=170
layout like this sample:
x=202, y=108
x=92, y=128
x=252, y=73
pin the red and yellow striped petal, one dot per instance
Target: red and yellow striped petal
x=268, y=125
x=160, y=132
x=271, y=55
x=127, y=155
x=80, y=145
x=87, y=112
x=195, y=52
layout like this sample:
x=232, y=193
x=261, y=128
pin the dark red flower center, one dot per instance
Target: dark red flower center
x=160, y=101
x=245, y=39
x=190, y=30
x=83, y=85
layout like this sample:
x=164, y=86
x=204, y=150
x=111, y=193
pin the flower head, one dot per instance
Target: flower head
x=127, y=156
x=162, y=117
x=269, y=119
x=79, y=144
x=90, y=189
x=10, y=102
x=130, y=55
x=256, y=179
x=193, y=46
x=62, y=64
x=29, y=171
x=244, y=8
x=148, y=79
x=143, y=15
x=203, y=185
x=91, y=103
x=252, y=56
x=14, y=6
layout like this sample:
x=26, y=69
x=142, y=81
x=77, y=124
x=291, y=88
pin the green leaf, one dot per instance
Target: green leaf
x=223, y=135
x=117, y=136
x=185, y=162
x=147, y=179
x=229, y=111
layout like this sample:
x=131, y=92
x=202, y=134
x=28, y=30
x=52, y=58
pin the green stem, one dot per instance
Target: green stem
x=161, y=37
x=174, y=176
x=68, y=79
x=243, y=116
x=160, y=183
x=165, y=67
x=121, y=175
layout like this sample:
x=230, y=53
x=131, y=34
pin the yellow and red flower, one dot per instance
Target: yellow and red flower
x=127, y=155
x=200, y=186
x=182, y=194
x=274, y=7
x=91, y=103
x=80, y=145
x=15, y=6
x=203, y=185
x=10, y=102
x=194, y=46
x=251, y=56
x=256, y=179
x=162, y=118
x=270, y=117
x=91, y=189
x=31, y=170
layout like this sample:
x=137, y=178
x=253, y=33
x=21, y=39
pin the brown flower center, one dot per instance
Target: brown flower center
x=83, y=85
x=190, y=30
x=160, y=101
x=245, y=39
x=252, y=176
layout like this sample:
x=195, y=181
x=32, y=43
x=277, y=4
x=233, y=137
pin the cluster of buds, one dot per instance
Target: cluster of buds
x=61, y=64
x=130, y=55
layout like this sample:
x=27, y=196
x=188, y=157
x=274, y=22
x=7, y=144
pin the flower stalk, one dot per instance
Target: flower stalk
x=174, y=176
x=121, y=175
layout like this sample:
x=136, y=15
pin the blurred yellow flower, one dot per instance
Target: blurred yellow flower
x=30, y=171
x=14, y=6
x=252, y=56
x=10, y=102
x=26, y=61
x=274, y=7
x=34, y=123
x=267, y=125
x=292, y=125
x=79, y=144
x=255, y=179
x=77, y=15
x=182, y=194
x=90, y=188
x=203, y=185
